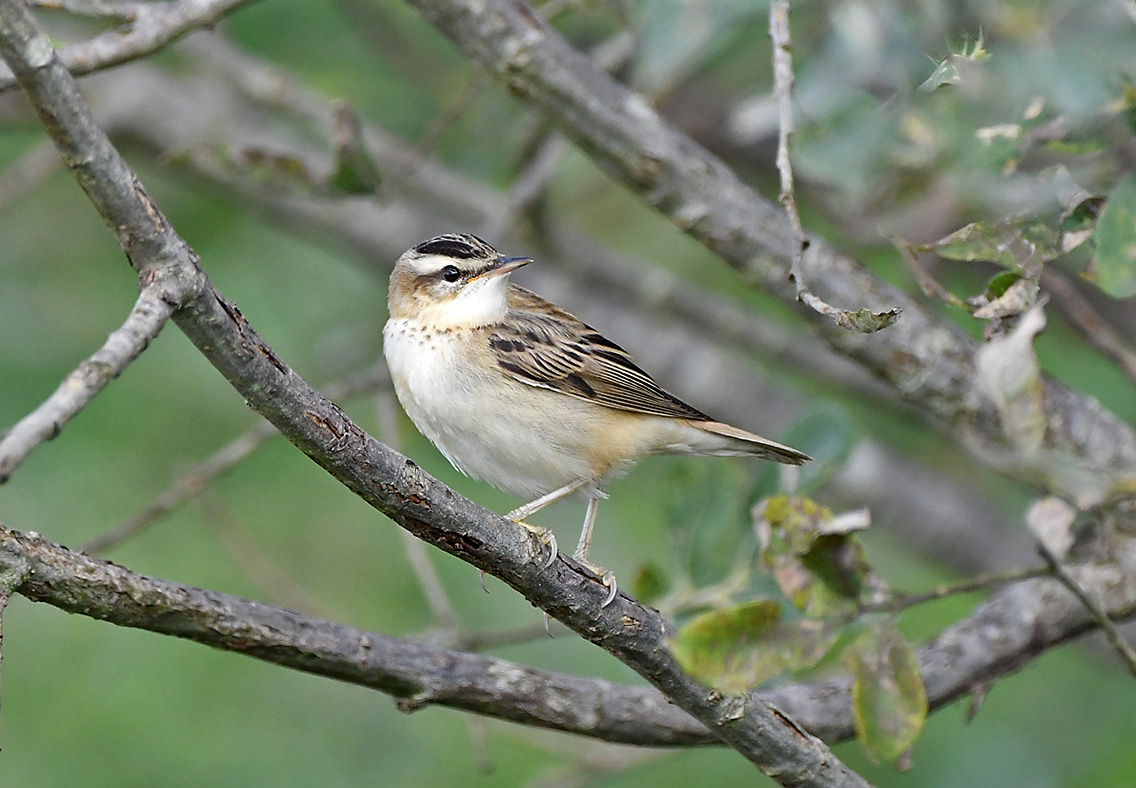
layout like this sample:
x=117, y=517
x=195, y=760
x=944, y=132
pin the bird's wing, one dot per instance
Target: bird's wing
x=542, y=345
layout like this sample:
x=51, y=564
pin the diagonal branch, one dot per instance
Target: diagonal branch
x=388, y=481
x=146, y=319
x=923, y=357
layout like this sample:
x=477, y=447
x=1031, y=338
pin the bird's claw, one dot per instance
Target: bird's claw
x=605, y=576
x=545, y=536
x=608, y=579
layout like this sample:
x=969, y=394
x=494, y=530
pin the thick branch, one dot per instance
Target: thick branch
x=388, y=481
x=925, y=358
x=420, y=674
x=997, y=638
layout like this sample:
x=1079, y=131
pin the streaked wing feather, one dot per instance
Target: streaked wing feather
x=542, y=345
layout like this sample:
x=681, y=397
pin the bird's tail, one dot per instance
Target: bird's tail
x=738, y=442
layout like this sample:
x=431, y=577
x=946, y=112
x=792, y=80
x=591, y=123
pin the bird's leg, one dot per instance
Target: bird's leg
x=581, y=554
x=532, y=507
x=546, y=536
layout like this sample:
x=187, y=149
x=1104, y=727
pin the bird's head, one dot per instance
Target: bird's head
x=451, y=281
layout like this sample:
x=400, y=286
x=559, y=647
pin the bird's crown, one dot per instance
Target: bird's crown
x=461, y=246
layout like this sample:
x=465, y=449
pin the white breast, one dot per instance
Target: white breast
x=489, y=427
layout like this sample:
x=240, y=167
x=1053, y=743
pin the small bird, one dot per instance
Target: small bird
x=515, y=391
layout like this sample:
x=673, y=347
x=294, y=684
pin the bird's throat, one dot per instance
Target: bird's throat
x=479, y=304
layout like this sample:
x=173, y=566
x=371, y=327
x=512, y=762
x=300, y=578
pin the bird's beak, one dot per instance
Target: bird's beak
x=502, y=266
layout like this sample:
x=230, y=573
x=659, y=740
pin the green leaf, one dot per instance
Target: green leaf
x=1013, y=243
x=889, y=701
x=817, y=563
x=1019, y=296
x=1000, y=283
x=792, y=526
x=947, y=72
x=1116, y=242
x=740, y=647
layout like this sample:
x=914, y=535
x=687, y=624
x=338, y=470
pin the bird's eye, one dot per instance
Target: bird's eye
x=451, y=273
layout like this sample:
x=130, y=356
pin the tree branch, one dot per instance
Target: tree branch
x=386, y=480
x=862, y=320
x=146, y=319
x=925, y=359
x=1000, y=636
x=150, y=27
x=418, y=673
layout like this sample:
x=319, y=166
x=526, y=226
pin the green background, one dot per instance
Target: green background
x=86, y=703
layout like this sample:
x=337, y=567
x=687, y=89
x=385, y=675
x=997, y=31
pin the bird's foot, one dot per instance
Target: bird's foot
x=545, y=536
x=604, y=576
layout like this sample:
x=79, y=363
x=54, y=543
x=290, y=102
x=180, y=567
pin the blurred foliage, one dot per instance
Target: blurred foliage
x=917, y=122
x=827, y=585
x=889, y=703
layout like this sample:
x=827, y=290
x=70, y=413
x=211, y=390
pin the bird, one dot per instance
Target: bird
x=515, y=391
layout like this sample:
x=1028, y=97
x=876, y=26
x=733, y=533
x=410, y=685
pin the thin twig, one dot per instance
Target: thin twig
x=146, y=319
x=927, y=283
x=528, y=186
x=783, y=89
x=863, y=320
x=688, y=599
x=901, y=601
x=121, y=11
x=1111, y=633
x=506, y=636
x=155, y=26
x=478, y=731
x=185, y=486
